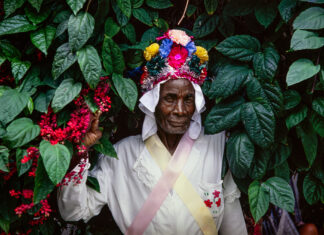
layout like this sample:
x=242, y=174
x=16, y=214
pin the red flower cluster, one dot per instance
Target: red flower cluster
x=100, y=97
x=32, y=154
x=13, y=170
x=5, y=75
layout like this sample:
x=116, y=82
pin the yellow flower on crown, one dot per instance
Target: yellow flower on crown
x=151, y=51
x=202, y=54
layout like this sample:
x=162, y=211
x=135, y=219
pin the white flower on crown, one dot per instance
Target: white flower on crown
x=179, y=37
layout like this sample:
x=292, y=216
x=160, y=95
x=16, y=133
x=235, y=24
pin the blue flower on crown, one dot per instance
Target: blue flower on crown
x=165, y=48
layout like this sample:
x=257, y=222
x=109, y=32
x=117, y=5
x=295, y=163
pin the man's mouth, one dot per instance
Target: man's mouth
x=178, y=124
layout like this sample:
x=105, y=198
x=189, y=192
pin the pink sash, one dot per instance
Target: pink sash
x=162, y=188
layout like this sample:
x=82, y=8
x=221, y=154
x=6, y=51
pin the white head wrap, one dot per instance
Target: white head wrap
x=149, y=101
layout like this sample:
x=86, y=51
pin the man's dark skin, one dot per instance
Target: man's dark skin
x=173, y=114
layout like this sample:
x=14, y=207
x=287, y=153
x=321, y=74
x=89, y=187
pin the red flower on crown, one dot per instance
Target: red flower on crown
x=177, y=56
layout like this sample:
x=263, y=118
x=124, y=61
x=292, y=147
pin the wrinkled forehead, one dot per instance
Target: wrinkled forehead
x=177, y=86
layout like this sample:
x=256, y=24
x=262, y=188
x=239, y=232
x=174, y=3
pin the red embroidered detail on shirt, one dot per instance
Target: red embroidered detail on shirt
x=208, y=203
x=218, y=202
x=216, y=193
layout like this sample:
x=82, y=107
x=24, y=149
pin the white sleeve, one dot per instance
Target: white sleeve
x=233, y=222
x=78, y=201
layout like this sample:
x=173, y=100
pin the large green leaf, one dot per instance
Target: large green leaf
x=191, y=10
x=12, y=103
x=4, y=158
x=228, y=81
x=302, y=40
x=65, y=93
x=259, y=123
x=161, y=4
x=10, y=6
x=112, y=56
x=260, y=164
x=291, y=99
x=286, y=9
x=121, y=18
x=19, y=68
x=296, y=117
x=111, y=27
x=63, y=59
x=311, y=18
x=37, y=17
x=265, y=63
x=31, y=81
x=282, y=171
x=142, y=15
x=125, y=6
x=318, y=105
x=258, y=199
x=313, y=190
x=318, y=123
x=301, y=70
x=43, y=38
x=211, y=6
x=223, y=117
x=36, y=4
x=15, y=24
x=56, y=159
x=309, y=140
x=126, y=89
x=204, y=25
x=43, y=100
x=281, y=154
x=150, y=35
x=275, y=97
x=80, y=28
x=93, y=183
x=21, y=131
x=239, y=47
x=43, y=184
x=266, y=13
x=281, y=193
x=22, y=167
x=240, y=7
x=105, y=147
x=239, y=153
x=75, y=5
x=129, y=31
x=137, y=3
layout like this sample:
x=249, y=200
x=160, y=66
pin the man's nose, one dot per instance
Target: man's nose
x=180, y=108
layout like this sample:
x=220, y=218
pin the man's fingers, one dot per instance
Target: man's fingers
x=94, y=125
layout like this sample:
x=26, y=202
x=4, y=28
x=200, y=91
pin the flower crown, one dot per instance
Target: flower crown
x=175, y=57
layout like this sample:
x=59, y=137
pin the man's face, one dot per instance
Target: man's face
x=176, y=106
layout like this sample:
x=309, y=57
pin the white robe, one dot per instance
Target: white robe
x=126, y=183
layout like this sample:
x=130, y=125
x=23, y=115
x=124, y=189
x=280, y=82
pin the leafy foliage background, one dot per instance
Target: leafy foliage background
x=265, y=87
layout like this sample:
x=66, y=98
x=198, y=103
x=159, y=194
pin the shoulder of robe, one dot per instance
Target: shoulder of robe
x=129, y=147
x=215, y=139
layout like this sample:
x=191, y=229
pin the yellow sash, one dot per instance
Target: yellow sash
x=183, y=188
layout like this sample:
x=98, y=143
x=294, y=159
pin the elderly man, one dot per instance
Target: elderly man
x=167, y=180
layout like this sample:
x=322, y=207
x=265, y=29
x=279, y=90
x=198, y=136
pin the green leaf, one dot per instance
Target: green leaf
x=223, y=117
x=281, y=193
x=259, y=165
x=191, y=10
x=112, y=56
x=282, y=171
x=274, y=96
x=301, y=70
x=56, y=159
x=65, y=93
x=137, y=3
x=15, y=24
x=43, y=100
x=291, y=99
x=43, y=184
x=228, y=81
x=75, y=5
x=318, y=105
x=22, y=167
x=111, y=27
x=125, y=6
x=19, y=68
x=121, y=18
x=150, y=35
x=9, y=50
x=2, y=59
x=10, y=6
x=36, y=4
x=286, y=9
x=281, y=154
x=126, y=89
x=204, y=25
x=21, y=131
x=37, y=17
x=258, y=199
x=30, y=106
x=302, y=40
x=207, y=44
x=239, y=7
x=93, y=183
x=31, y=81
x=161, y=4
x=63, y=59
x=142, y=15
x=161, y=24
x=265, y=63
x=5, y=225
x=43, y=38
x=296, y=117
x=4, y=158
x=129, y=31
x=12, y=103
x=312, y=189
x=211, y=6
x=105, y=147
x=266, y=13
x=239, y=47
x=318, y=123
x=311, y=18
x=90, y=65
x=259, y=123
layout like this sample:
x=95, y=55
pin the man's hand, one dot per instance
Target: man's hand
x=93, y=134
